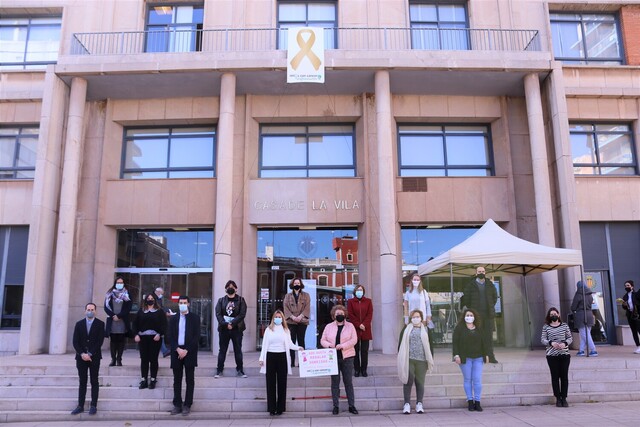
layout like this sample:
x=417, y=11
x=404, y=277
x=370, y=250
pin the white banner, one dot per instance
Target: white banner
x=305, y=55
x=317, y=363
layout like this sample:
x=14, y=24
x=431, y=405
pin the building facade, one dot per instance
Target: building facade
x=159, y=141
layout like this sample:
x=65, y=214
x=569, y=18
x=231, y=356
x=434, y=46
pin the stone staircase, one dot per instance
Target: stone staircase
x=43, y=387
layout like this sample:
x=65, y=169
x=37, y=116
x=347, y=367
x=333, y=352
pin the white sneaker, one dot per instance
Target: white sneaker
x=406, y=409
x=419, y=408
x=637, y=351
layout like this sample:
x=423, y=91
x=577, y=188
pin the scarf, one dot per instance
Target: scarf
x=403, y=352
x=116, y=295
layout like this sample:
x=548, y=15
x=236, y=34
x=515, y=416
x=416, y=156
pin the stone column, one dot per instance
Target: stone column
x=224, y=194
x=389, y=273
x=44, y=212
x=542, y=188
x=67, y=218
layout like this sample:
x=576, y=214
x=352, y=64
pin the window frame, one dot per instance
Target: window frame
x=15, y=169
x=32, y=65
x=197, y=28
x=307, y=166
x=490, y=167
x=5, y=253
x=594, y=134
x=168, y=169
x=281, y=35
x=440, y=24
x=580, y=22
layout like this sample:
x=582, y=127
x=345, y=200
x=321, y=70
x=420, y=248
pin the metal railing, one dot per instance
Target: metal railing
x=269, y=39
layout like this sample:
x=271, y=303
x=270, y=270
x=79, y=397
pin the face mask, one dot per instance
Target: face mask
x=359, y=294
x=183, y=308
x=159, y=296
x=90, y=314
x=278, y=321
x=553, y=318
x=119, y=286
x=150, y=302
x=469, y=319
x=627, y=289
x=416, y=320
x=415, y=283
x=296, y=287
x=230, y=290
x=480, y=276
x=340, y=317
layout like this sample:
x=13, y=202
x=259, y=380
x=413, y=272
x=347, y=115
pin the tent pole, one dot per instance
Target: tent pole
x=526, y=301
x=452, y=298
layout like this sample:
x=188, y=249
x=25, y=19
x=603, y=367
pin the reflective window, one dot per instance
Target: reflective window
x=165, y=248
x=13, y=261
x=320, y=14
x=583, y=38
x=307, y=151
x=602, y=149
x=18, y=148
x=444, y=150
x=436, y=26
x=29, y=43
x=174, y=152
x=174, y=28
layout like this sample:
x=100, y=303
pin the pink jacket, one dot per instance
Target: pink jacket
x=348, y=338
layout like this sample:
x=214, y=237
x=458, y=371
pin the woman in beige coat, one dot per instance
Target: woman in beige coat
x=296, y=307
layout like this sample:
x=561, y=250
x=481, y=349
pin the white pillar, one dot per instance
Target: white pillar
x=387, y=215
x=542, y=187
x=224, y=194
x=67, y=219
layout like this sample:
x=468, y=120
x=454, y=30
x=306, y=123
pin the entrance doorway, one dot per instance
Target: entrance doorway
x=325, y=259
x=604, y=330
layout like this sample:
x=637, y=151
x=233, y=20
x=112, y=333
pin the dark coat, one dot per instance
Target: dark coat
x=463, y=343
x=360, y=312
x=471, y=298
x=90, y=343
x=238, y=314
x=583, y=307
x=124, y=315
x=635, y=296
x=191, y=339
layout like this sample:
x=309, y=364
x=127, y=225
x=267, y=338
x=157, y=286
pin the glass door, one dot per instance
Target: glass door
x=603, y=331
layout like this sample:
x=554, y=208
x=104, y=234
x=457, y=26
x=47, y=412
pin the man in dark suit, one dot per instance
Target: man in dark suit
x=184, y=337
x=481, y=295
x=88, y=337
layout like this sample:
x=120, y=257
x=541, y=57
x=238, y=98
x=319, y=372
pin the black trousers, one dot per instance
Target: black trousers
x=559, y=368
x=297, y=337
x=149, y=350
x=361, y=361
x=345, y=367
x=92, y=368
x=635, y=328
x=116, y=344
x=277, y=370
x=225, y=336
x=487, y=333
x=189, y=372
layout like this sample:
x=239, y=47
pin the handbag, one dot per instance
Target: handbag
x=571, y=321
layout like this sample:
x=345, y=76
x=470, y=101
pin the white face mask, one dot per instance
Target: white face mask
x=119, y=286
x=469, y=319
x=183, y=308
x=416, y=283
x=359, y=294
x=416, y=320
x=277, y=321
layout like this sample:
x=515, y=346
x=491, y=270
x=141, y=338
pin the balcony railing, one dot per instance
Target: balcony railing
x=269, y=39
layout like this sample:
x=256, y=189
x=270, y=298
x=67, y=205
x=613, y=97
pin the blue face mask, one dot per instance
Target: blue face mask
x=278, y=321
x=183, y=308
x=359, y=294
x=90, y=314
x=119, y=286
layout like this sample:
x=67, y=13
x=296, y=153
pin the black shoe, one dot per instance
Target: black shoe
x=186, y=410
x=241, y=374
x=119, y=363
x=166, y=353
x=353, y=410
x=364, y=373
x=278, y=412
x=152, y=384
x=93, y=410
x=176, y=410
x=472, y=405
x=493, y=360
x=477, y=406
x=272, y=413
x=143, y=384
x=356, y=374
x=113, y=363
x=558, y=402
x=336, y=410
x=78, y=410
x=565, y=404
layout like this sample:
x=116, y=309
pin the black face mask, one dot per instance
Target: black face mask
x=150, y=302
x=296, y=288
x=480, y=276
x=230, y=290
x=627, y=289
x=340, y=317
x=553, y=318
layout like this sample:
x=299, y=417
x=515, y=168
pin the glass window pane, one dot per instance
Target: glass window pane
x=615, y=148
x=159, y=15
x=425, y=36
x=331, y=150
x=423, y=13
x=148, y=132
x=191, y=174
x=43, y=43
x=420, y=129
x=292, y=12
x=421, y=150
x=283, y=173
x=146, y=153
x=584, y=170
x=12, y=309
x=193, y=131
x=283, y=130
x=583, y=149
x=467, y=150
x=322, y=12
x=27, y=154
x=331, y=129
x=25, y=174
x=184, y=15
x=284, y=151
x=7, y=152
x=17, y=255
x=579, y=127
x=422, y=172
x=602, y=40
x=144, y=175
x=335, y=173
x=609, y=128
x=13, y=40
x=191, y=152
x=617, y=171
x=567, y=40
x=469, y=172
x=451, y=13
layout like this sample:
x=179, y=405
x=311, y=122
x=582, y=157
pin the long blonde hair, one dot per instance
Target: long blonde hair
x=420, y=287
x=273, y=325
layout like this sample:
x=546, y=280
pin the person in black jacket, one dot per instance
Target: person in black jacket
x=149, y=329
x=117, y=305
x=88, y=337
x=470, y=353
x=184, y=337
x=630, y=301
x=481, y=295
x=230, y=312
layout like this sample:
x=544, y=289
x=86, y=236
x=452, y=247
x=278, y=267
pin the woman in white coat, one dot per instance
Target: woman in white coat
x=275, y=362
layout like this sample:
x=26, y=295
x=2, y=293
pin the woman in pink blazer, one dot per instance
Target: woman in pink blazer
x=342, y=336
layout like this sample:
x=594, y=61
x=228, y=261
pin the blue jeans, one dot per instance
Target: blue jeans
x=472, y=375
x=585, y=332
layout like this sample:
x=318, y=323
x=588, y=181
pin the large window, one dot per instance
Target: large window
x=174, y=28
x=585, y=38
x=13, y=260
x=438, y=26
x=18, y=148
x=29, y=43
x=307, y=151
x=174, y=152
x=602, y=149
x=451, y=150
x=307, y=14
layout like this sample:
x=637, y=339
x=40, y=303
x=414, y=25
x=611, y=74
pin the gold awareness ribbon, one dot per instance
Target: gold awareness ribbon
x=305, y=50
